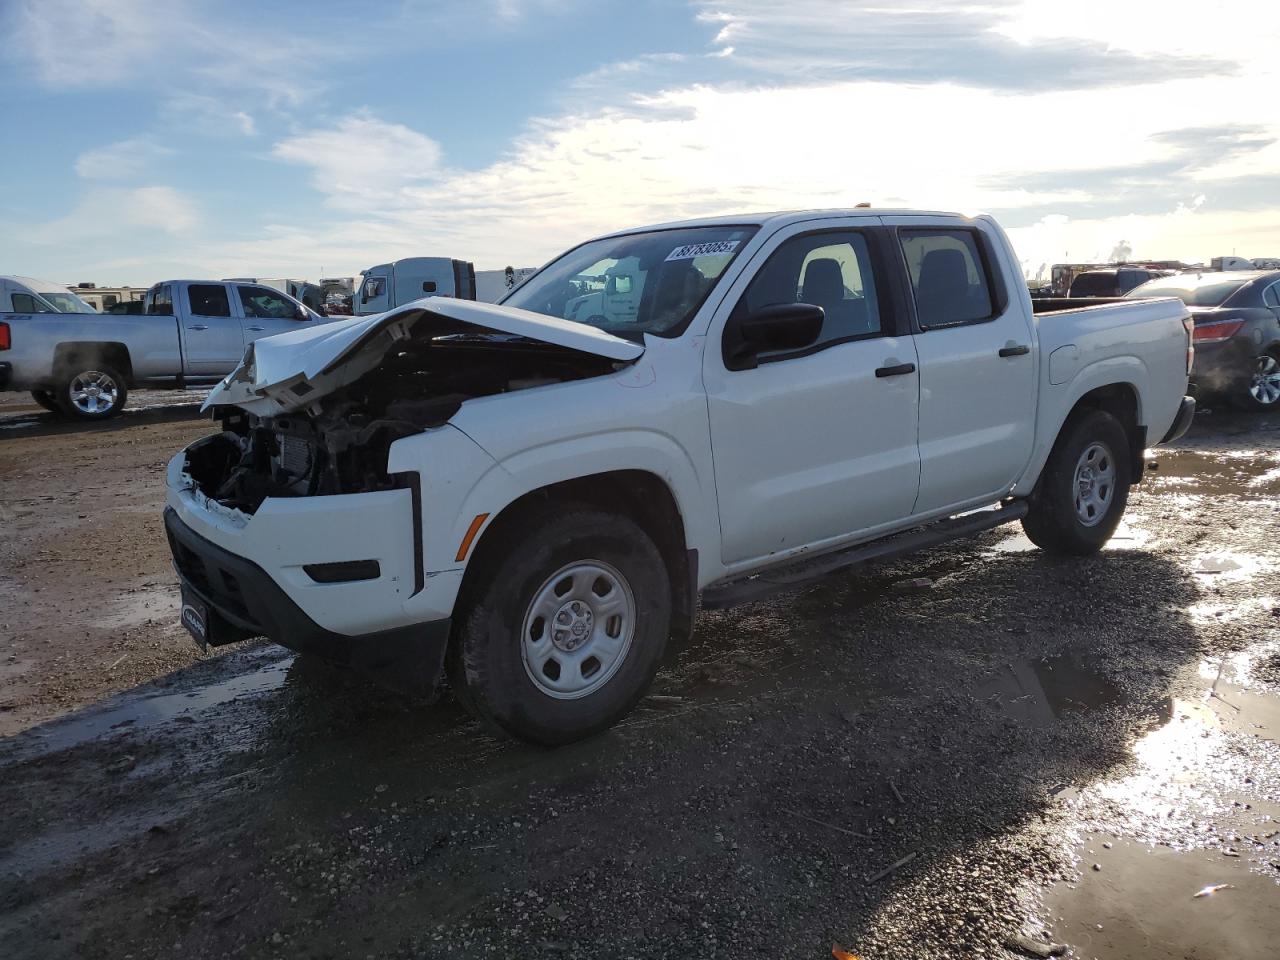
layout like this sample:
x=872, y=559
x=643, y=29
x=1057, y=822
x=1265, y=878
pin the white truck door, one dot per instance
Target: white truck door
x=817, y=444
x=266, y=312
x=979, y=363
x=374, y=295
x=212, y=341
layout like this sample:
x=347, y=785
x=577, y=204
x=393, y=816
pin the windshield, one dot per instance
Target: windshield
x=67, y=302
x=1190, y=290
x=639, y=283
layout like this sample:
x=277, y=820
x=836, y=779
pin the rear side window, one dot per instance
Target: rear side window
x=829, y=270
x=209, y=300
x=160, y=301
x=1272, y=295
x=948, y=278
x=26, y=303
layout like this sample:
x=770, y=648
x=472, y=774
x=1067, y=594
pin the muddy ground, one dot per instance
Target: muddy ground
x=976, y=752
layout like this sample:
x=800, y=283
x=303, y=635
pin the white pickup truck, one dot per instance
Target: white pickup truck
x=534, y=506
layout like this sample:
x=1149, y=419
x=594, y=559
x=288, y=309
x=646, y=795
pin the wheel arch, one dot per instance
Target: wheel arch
x=639, y=494
x=1122, y=398
x=113, y=353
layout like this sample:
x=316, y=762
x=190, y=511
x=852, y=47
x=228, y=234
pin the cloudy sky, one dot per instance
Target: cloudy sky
x=238, y=138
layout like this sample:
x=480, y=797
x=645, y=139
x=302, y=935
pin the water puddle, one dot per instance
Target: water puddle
x=1126, y=537
x=1037, y=692
x=1241, y=473
x=1225, y=565
x=1181, y=856
x=260, y=670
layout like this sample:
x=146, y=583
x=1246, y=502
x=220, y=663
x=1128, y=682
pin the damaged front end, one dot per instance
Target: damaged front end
x=323, y=423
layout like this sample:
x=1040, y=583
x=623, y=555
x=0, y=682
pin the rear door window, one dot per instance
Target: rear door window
x=948, y=277
x=209, y=300
x=266, y=304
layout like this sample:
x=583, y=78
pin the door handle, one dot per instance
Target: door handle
x=256, y=329
x=197, y=326
x=896, y=370
x=1019, y=350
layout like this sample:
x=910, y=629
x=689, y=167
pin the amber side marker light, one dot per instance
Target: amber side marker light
x=465, y=546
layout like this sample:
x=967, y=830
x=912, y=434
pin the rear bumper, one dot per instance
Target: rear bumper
x=1182, y=422
x=1224, y=367
x=244, y=601
x=6, y=375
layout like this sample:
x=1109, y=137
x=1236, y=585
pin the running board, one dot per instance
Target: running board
x=803, y=572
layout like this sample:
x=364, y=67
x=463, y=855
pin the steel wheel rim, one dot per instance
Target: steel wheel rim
x=578, y=629
x=1265, y=385
x=1095, y=483
x=94, y=392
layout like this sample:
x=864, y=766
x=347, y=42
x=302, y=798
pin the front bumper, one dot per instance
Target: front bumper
x=1182, y=422
x=244, y=601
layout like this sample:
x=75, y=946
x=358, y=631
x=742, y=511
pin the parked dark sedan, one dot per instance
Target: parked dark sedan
x=1237, y=333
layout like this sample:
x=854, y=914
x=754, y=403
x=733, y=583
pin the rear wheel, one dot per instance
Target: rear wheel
x=46, y=399
x=567, y=630
x=1262, y=391
x=92, y=391
x=1084, y=487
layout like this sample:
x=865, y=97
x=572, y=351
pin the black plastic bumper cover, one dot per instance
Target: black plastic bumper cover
x=6, y=374
x=245, y=602
x=1182, y=422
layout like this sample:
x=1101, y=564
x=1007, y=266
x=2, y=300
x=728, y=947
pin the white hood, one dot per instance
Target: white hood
x=291, y=370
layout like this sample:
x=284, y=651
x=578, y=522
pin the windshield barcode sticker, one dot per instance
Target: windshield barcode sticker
x=691, y=250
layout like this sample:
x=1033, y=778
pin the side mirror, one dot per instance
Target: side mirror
x=302, y=313
x=777, y=328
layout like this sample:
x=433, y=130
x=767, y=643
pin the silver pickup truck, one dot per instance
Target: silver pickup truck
x=191, y=333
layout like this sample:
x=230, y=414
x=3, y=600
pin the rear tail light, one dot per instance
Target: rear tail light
x=1217, y=330
x=5, y=343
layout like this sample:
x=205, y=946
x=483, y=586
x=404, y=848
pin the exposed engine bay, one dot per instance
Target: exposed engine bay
x=340, y=442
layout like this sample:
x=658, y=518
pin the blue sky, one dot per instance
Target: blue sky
x=145, y=140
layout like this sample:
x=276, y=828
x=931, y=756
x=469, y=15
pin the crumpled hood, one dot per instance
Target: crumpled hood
x=291, y=370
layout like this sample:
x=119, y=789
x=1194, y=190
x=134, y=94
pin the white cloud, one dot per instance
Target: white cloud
x=124, y=160
x=86, y=43
x=139, y=215
x=362, y=161
x=702, y=150
x=207, y=116
x=189, y=53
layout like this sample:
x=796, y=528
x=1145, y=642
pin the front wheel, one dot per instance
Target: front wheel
x=1082, y=492
x=1262, y=392
x=92, y=392
x=567, y=630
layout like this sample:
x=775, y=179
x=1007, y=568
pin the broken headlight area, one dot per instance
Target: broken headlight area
x=340, y=442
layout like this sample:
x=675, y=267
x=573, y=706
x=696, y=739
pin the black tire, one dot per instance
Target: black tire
x=488, y=659
x=1055, y=522
x=1265, y=367
x=46, y=399
x=93, y=374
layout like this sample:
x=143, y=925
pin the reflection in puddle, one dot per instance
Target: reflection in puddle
x=1197, y=812
x=1248, y=473
x=1226, y=565
x=263, y=669
x=1036, y=692
x=1126, y=537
